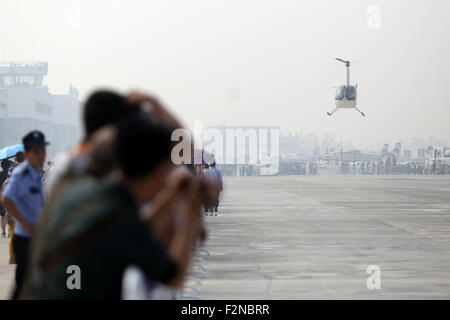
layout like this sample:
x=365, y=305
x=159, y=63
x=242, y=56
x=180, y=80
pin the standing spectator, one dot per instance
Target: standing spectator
x=219, y=182
x=211, y=177
x=89, y=222
x=48, y=172
x=102, y=108
x=3, y=220
x=5, y=165
x=18, y=160
x=23, y=199
x=105, y=108
x=11, y=223
x=208, y=174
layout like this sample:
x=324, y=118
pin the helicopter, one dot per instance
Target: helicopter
x=346, y=94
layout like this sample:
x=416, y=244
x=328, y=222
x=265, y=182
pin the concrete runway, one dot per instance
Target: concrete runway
x=6, y=270
x=313, y=237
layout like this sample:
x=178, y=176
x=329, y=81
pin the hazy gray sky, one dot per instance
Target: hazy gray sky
x=242, y=62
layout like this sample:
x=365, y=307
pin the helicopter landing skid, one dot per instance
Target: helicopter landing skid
x=331, y=113
x=362, y=113
x=336, y=109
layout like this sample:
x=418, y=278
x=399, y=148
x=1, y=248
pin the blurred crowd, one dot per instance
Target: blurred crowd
x=115, y=200
x=386, y=167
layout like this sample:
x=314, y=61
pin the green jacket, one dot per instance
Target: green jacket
x=93, y=224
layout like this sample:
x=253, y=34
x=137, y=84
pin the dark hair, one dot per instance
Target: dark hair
x=206, y=166
x=19, y=156
x=6, y=164
x=141, y=145
x=213, y=164
x=103, y=108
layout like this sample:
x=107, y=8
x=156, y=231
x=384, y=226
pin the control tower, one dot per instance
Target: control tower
x=22, y=74
x=26, y=104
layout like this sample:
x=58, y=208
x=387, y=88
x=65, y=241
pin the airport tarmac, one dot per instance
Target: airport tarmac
x=313, y=237
x=6, y=270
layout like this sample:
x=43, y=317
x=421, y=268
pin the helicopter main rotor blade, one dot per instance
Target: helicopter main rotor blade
x=342, y=60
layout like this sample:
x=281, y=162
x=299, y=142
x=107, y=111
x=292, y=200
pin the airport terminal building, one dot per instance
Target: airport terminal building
x=25, y=105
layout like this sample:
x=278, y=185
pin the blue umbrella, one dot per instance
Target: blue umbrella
x=10, y=151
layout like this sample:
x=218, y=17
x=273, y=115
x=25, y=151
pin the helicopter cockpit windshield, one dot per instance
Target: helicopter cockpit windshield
x=340, y=93
x=350, y=93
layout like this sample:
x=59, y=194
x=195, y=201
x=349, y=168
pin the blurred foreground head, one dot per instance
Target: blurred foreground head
x=142, y=150
x=104, y=108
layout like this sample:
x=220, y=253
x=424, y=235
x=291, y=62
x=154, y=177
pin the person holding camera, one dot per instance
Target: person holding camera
x=96, y=225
